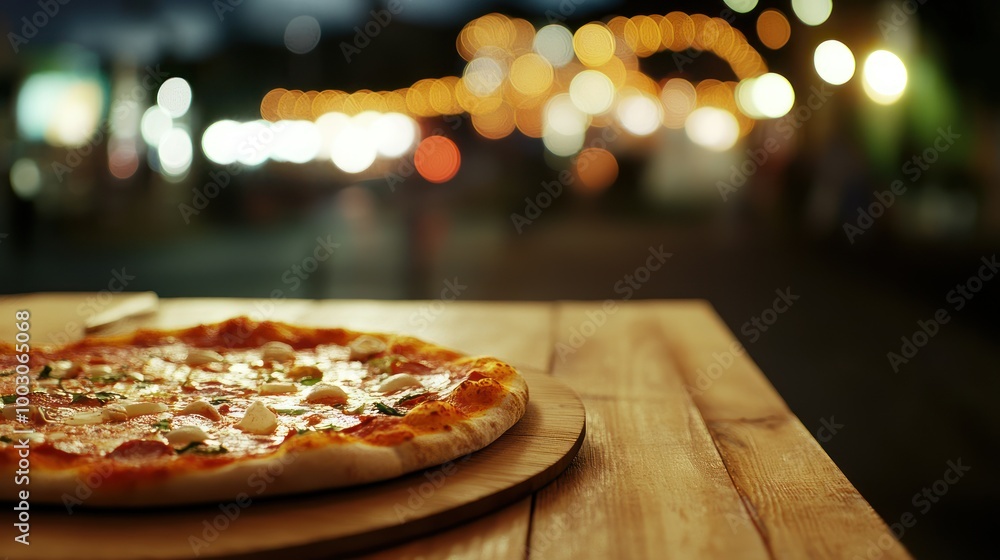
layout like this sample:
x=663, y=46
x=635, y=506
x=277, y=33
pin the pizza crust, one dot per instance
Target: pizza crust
x=289, y=470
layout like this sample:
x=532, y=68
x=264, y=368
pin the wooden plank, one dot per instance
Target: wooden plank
x=648, y=482
x=58, y=318
x=498, y=536
x=802, y=503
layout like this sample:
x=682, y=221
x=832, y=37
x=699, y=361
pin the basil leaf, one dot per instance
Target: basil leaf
x=9, y=399
x=219, y=401
x=410, y=396
x=386, y=409
x=6, y=439
x=7, y=373
x=46, y=372
x=310, y=380
x=291, y=411
x=162, y=425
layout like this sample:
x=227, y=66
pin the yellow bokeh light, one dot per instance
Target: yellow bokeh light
x=531, y=74
x=529, y=121
x=594, y=44
x=773, y=29
x=496, y=124
x=683, y=31
x=884, y=77
x=592, y=92
x=812, y=12
x=679, y=98
x=269, y=104
x=834, y=62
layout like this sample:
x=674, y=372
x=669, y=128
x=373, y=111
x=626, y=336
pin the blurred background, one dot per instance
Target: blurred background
x=845, y=153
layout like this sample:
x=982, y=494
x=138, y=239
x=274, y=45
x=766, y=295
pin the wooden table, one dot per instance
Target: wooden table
x=689, y=453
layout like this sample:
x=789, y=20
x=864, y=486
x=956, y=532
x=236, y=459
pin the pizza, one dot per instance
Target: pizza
x=184, y=416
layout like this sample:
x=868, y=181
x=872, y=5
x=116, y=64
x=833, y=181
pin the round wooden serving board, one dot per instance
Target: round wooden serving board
x=340, y=522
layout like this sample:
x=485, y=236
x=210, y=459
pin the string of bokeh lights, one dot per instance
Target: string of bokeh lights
x=549, y=83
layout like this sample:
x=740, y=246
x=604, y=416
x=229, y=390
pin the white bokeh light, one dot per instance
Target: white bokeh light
x=154, y=124
x=884, y=77
x=592, y=92
x=834, y=62
x=639, y=114
x=395, y=134
x=712, y=128
x=175, y=151
x=555, y=43
x=174, y=97
x=302, y=34
x=354, y=148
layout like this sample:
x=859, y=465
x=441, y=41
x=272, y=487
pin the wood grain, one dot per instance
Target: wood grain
x=648, y=482
x=801, y=502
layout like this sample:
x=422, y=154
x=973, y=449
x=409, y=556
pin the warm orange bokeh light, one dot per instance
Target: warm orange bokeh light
x=773, y=29
x=437, y=159
x=595, y=169
x=269, y=104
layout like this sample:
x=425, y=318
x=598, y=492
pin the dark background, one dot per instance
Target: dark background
x=827, y=355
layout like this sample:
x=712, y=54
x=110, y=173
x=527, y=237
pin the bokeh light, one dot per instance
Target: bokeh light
x=772, y=95
x=555, y=43
x=712, y=128
x=25, y=178
x=741, y=6
x=773, y=29
x=154, y=124
x=812, y=12
x=594, y=44
x=679, y=98
x=639, y=114
x=884, y=77
x=302, y=34
x=834, y=62
x=595, y=169
x=175, y=151
x=354, y=148
x=437, y=159
x=531, y=74
x=219, y=141
x=483, y=75
x=174, y=97
x=295, y=141
x=395, y=134
x=592, y=92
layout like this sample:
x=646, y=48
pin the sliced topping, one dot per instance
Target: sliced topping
x=277, y=388
x=202, y=356
x=114, y=413
x=305, y=372
x=56, y=436
x=323, y=392
x=258, y=419
x=201, y=408
x=398, y=382
x=138, y=409
x=365, y=346
x=277, y=351
x=35, y=414
x=63, y=369
x=185, y=435
x=101, y=370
